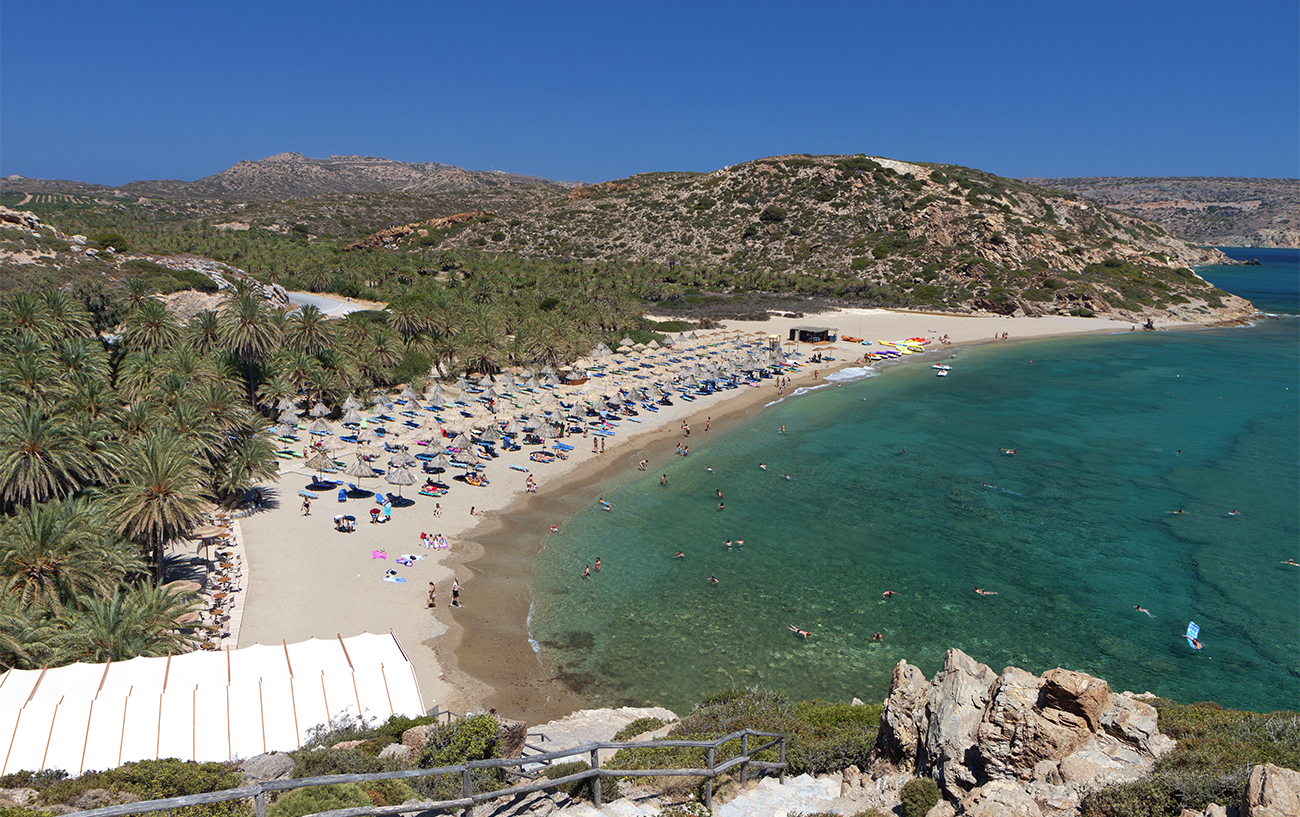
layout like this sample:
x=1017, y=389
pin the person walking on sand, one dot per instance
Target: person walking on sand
x=455, y=592
x=433, y=596
x=437, y=509
x=388, y=510
x=306, y=506
x=602, y=445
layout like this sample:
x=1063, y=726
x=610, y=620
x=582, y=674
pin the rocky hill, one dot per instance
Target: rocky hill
x=934, y=236
x=1220, y=212
x=294, y=176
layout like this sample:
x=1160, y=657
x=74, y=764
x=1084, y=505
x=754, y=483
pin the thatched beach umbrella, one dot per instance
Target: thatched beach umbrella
x=399, y=477
x=319, y=410
x=360, y=469
x=408, y=393
x=288, y=416
x=367, y=435
x=283, y=430
x=352, y=418
x=320, y=426
x=402, y=459
x=440, y=463
x=351, y=403
x=320, y=463
x=491, y=435
x=462, y=440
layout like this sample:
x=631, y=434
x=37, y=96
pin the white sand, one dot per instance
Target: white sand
x=306, y=580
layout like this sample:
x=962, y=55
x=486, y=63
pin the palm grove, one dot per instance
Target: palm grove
x=112, y=447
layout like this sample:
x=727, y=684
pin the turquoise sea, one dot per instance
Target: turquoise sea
x=897, y=482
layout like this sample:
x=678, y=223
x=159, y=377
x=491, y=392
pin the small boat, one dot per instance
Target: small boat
x=942, y=372
x=942, y=367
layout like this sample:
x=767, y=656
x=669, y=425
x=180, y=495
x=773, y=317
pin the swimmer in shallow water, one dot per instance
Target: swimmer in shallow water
x=713, y=579
x=889, y=593
x=680, y=555
x=762, y=466
x=797, y=631
x=1235, y=512
x=1142, y=609
x=985, y=592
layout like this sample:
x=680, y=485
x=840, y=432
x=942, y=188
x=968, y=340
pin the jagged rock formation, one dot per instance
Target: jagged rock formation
x=420, y=228
x=1217, y=211
x=1014, y=743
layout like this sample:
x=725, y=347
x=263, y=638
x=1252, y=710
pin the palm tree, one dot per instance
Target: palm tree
x=249, y=331
x=68, y=318
x=308, y=330
x=82, y=359
x=56, y=552
x=135, y=290
x=160, y=494
x=26, y=634
x=150, y=327
x=205, y=331
x=138, y=621
x=27, y=370
x=249, y=460
x=40, y=457
x=407, y=318
x=25, y=312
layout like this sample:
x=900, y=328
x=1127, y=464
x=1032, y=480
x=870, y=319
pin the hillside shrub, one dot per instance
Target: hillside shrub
x=1211, y=763
x=919, y=795
x=582, y=789
x=637, y=727
x=103, y=241
x=772, y=214
x=318, y=798
x=155, y=780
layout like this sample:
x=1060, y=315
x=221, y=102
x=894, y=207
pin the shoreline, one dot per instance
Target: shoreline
x=306, y=581
x=496, y=654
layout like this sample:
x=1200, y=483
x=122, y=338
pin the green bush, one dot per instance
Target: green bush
x=318, y=798
x=919, y=795
x=1216, y=748
x=155, y=780
x=637, y=727
x=1083, y=312
x=772, y=214
x=105, y=240
x=470, y=738
x=582, y=789
x=823, y=737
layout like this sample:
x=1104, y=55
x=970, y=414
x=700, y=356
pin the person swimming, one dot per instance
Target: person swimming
x=762, y=466
x=797, y=631
x=1142, y=609
x=680, y=555
x=986, y=592
x=889, y=593
x=713, y=579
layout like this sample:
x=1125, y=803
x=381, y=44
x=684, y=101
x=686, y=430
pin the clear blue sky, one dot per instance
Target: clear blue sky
x=586, y=91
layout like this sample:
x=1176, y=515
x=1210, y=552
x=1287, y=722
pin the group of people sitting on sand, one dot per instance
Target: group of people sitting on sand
x=437, y=541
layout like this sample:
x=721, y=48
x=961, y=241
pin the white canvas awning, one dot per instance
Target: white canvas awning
x=199, y=706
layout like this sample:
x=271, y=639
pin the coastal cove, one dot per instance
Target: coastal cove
x=1072, y=536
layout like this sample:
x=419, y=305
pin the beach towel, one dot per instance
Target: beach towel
x=378, y=554
x=404, y=561
x=411, y=557
x=395, y=579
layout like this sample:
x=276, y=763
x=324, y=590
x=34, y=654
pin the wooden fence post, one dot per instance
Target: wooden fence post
x=259, y=804
x=708, y=785
x=783, y=760
x=465, y=791
x=744, y=751
x=595, y=781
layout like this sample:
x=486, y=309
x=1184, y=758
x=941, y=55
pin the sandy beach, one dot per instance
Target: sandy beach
x=304, y=579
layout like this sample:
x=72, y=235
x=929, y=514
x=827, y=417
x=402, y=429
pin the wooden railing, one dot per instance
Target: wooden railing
x=469, y=799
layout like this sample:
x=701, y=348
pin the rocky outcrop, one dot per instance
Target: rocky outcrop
x=1014, y=743
x=391, y=234
x=261, y=768
x=1271, y=792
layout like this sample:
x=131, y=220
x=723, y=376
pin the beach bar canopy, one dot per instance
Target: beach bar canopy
x=202, y=706
x=813, y=334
